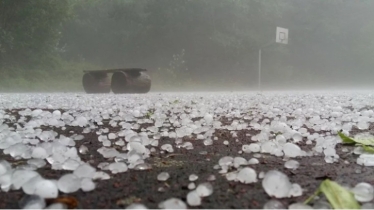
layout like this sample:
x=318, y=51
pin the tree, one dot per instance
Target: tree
x=30, y=31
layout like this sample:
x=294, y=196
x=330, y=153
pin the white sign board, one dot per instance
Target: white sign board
x=282, y=35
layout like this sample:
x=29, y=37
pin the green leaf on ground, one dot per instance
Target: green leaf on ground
x=338, y=196
x=346, y=139
x=368, y=149
x=363, y=141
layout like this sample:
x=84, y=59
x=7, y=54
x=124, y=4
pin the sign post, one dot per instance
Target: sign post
x=282, y=38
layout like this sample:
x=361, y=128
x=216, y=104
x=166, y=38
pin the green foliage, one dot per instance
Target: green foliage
x=191, y=43
x=366, y=143
x=65, y=79
x=368, y=149
x=346, y=139
x=363, y=141
x=30, y=31
x=338, y=196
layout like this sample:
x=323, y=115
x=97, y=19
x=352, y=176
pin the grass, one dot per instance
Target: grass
x=67, y=78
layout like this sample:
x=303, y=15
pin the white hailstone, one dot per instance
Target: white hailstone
x=191, y=186
x=226, y=161
x=84, y=171
x=254, y=147
x=67, y=141
x=29, y=186
x=274, y=204
x=303, y=130
x=83, y=149
x=232, y=176
x=268, y=147
x=358, y=150
x=211, y=178
x=36, y=112
x=57, y=206
x=81, y=121
x=4, y=167
x=137, y=147
x=111, y=136
x=226, y=142
x=247, y=175
x=253, y=161
x=208, y=118
x=193, y=177
x=366, y=160
x=280, y=139
x=136, y=206
x=103, y=165
x=364, y=192
x=87, y=185
x=161, y=189
x=167, y=147
x=39, y=152
x=6, y=181
x=208, y=142
x=143, y=166
x=70, y=164
x=172, y=203
x=69, y=183
x=204, y=189
x=297, y=137
x=261, y=175
x=120, y=142
x=239, y=161
x=107, y=143
x=154, y=143
x=187, y=145
x=108, y=152
x=100, y=175
x=216, y=167
x=102, y=138
x=277, y=184
x=118, y=167
x=56, y=114
x=163, y=176
x=291, y=164
x=32, y=202
x=291, y=150
x=20, y=177
x=299, y=206
x=78, y=137
x=362, y=125
x=295, y=190
x=193, y=198
x=39, y=163
x=46, y=189
x=71, y=153
x=330, y=155
x=246, y=149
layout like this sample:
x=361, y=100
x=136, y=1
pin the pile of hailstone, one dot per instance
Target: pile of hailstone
x=283, y=121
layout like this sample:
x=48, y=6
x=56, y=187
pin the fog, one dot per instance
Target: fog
x=190, y=45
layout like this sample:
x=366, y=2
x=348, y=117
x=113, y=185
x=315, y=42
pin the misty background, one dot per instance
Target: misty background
x=187, y=44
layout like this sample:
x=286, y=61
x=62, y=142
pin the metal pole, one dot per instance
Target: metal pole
x=259, y=69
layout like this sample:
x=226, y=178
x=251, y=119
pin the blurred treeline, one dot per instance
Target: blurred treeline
x=186, y=44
